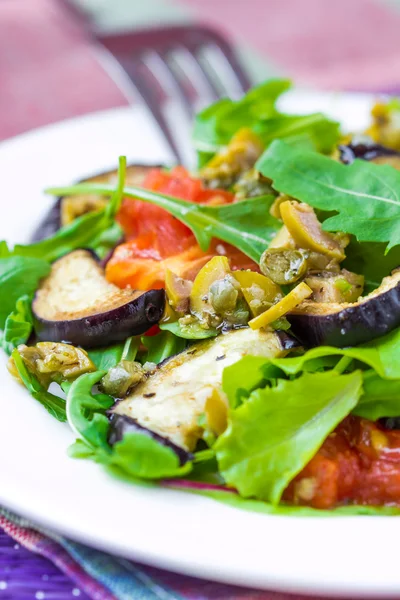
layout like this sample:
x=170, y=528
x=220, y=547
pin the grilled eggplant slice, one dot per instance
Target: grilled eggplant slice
x=316, y=323
x=77, y=304
x=371, y=152
x=171, y=401
x=67, y=208
x=121, y=425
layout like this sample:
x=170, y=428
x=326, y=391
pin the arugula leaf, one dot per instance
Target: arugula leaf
x=381, y=397
x=19, y=276
x=320, y=133
x=264, y=448
x=215, y=126
x=18, y=325
x=365, y=196
x=162, y=346
x=141, y=456
x=96, y=230
x=371, y=260
x=193, y=331
x=53, y=404
x=106, y=358
x=85, y=411
x=247, y=225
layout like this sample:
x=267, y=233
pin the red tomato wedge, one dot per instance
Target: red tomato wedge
x=157, y=241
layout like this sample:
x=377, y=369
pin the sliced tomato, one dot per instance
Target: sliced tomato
x=170, y=236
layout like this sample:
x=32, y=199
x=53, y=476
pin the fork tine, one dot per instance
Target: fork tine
x=166, y=77
x=186, y=61
x=213, y=59
x=148, y=96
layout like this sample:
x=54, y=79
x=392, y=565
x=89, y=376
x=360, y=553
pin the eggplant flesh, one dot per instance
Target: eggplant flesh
x=341, y=325
x=120, y=425
x=171, y=400
x=77, y=304
x=63, y=208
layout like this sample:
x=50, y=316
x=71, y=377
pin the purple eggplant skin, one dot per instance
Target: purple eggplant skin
x=50, y=224
x=350, y=326
x=287, y=341
x=102, y=329
x=349, y=152
x=120, y=425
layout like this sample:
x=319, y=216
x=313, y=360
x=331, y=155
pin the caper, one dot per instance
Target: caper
x=223, y=295
x=283, y=266
x=121, y=378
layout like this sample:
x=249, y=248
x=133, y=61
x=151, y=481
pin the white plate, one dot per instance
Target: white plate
x=170, y=529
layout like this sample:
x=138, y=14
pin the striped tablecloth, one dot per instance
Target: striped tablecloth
x=49, y=71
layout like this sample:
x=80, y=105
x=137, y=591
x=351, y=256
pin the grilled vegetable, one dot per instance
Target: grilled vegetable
x=171, y=401
x=121, y=425
x=347, y=324
x=76, y=304
x=67, y=209
x=344, y=286
x=372, y=152
x=123, y=377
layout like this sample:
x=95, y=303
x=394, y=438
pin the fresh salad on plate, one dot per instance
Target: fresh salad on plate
x=233, y=331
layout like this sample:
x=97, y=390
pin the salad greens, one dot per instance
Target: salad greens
x=19, y=276
x=53, y=404
x=365, y=196
x=216, y=125
x=264, y=419
x=18, y=326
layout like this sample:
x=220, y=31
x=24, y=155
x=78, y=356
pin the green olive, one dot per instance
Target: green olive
x=121, y=378
x=283, y=266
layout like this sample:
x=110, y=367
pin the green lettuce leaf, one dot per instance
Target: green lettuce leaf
x=272, y=436
x=382, y=355
x=4, y=251
x=371, y=260
x=19, y=276
x=381, y=397
x=18, y=325
x=243, y=377
x=365, y=196
x=235, y=501
x=247, y=225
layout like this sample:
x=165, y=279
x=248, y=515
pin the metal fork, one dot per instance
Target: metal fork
x=191, y=65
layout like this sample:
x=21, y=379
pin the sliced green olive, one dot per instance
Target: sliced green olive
x=223, y=295
x=122, y=378
x=304, y=227
x=283, y=266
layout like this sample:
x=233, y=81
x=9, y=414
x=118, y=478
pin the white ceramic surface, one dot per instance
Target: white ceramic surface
x=355, y=556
